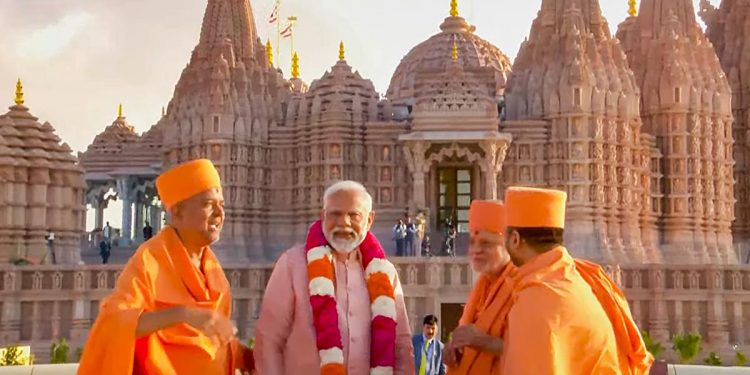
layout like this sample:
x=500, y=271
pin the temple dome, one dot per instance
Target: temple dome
x=430, y=55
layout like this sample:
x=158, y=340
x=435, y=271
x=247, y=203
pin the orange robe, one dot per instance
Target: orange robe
x=556, y=324
x=487, y=308
x=159, y=276
x=489, y=304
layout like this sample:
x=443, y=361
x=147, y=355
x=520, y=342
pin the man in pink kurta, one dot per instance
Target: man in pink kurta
x=286, y=332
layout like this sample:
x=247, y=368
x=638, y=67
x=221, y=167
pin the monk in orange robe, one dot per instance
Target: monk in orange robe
x=476, y=345
x=170, y=310
x=566, y=317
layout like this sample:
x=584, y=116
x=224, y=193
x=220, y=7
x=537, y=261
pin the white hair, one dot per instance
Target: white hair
x=350, y=186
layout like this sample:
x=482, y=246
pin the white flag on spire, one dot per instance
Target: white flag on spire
x=274, y=17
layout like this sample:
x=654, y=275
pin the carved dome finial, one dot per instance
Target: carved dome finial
x=19, y=93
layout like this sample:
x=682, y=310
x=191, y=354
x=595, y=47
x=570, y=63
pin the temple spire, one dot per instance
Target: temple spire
x=454, y=51
x=269, y=52
x=19, y=93
x=119, y=111
x=632, y=11
x=454, y=8
x=342, y=54
x=295, y=66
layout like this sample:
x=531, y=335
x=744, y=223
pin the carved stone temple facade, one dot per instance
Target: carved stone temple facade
x=645, y=152
x=42, y=303
x=643, y=129
x=41, y=190
x=728, y=29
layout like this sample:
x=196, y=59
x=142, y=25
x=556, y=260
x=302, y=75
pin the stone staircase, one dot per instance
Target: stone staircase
x=118, y=255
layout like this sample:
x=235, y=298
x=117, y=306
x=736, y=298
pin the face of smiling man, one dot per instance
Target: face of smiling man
x=346, y=219
x=199, y=219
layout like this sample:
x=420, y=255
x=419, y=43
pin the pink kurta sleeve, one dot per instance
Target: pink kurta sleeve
x=275, y=320
x=404, y=352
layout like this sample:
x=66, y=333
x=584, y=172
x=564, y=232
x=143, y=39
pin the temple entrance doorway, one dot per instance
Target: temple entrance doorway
x=455, y=187
x=450, y=314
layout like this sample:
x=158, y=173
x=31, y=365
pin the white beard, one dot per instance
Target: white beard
x=342, y=245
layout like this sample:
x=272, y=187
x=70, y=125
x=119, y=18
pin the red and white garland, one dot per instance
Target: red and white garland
x=380, y=275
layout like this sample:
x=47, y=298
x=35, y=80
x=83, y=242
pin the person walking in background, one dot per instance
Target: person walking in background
x=148, y=232
x=399, y=235
x=428, y=350
x=104, y=251
x=410, y=238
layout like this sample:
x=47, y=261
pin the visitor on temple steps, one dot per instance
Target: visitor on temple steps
x=170, y=310
x=475, y=345
x=335, y=305
x=428, y=350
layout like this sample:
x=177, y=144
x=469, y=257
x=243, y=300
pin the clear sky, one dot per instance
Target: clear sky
x=79, y=58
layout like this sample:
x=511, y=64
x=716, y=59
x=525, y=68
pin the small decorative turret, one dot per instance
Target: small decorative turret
x=269, y=52
x=295, y=66
x=19, y=93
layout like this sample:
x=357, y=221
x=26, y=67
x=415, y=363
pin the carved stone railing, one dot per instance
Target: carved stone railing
x=41, y=303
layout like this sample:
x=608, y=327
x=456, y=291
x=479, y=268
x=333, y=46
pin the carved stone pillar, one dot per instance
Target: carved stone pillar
x=10, y=324
x=414, y=152
x=495, y=151
x=658, y=325
x=139, y=222
x=717, y=323
x=99, y=215
x=124, y=192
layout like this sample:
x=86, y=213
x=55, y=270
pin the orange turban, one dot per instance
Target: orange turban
x=187, y=180
x=487, y=215
x=535, y=208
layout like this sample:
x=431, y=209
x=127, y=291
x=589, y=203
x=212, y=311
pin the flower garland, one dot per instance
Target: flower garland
x=380, y=275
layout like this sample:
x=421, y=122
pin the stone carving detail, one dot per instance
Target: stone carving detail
x=455, y=275
x=79, y=280
x=235, y=279
x=411, y=271
x=36, y=280
x=255, y=280
x=57, y=280
x=101, y=280
x=694, y=277
x=9, y=281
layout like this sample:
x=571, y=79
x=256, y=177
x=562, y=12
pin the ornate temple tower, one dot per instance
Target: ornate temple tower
x=728, y=29
x=686, y=104
x=227, y=99
x=334, y=131
x=449, y=89
x=41, y=190
x=572, y=108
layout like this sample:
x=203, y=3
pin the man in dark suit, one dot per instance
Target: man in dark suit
x=428, y=350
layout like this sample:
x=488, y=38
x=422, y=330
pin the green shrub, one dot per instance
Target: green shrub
x=739, y=358
x=59, y=351
x=687, y=346
x=653, y=347
x=713, y=359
